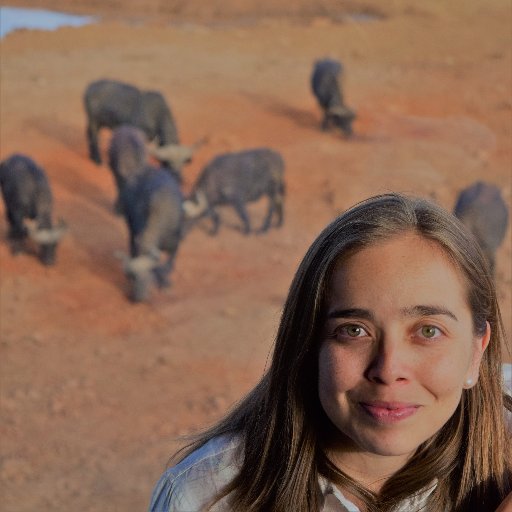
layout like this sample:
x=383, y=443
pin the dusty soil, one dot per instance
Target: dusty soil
x=95, y=390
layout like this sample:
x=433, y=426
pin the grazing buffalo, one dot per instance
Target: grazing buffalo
x=27, y=195
x=236, y=179
x=326, y=86
x=128, y=156
x=109, y=104
x=483, y=210
x=152, y=205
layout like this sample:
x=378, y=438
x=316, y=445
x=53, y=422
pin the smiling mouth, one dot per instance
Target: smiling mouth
x=388, y=413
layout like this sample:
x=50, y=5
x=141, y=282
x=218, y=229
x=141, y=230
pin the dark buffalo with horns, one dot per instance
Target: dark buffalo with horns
x=127, y=156
x=483, y=210
x=27, y=195
x=129, y=152
x=152, y=204
x=327, y=88
x=236, y=179
x=110, y=103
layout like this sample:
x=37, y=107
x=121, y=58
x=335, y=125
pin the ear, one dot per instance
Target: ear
x=480, y=344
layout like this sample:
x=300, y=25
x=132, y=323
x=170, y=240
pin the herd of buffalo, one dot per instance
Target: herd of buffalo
x=149, y=195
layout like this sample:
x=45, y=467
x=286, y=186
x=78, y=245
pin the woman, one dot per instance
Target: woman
x=385, y=389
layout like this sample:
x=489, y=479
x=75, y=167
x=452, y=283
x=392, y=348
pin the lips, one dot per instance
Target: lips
x=389, y=412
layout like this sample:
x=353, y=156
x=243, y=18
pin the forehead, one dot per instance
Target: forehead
x=404, y=263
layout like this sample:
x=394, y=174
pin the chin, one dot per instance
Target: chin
x=397, y=450
x=389, y=446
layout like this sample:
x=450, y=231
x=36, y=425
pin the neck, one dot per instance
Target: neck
x=371, y=470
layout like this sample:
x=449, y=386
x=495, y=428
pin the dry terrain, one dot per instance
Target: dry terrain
x=95, y=390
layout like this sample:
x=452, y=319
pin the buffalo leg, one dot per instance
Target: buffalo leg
x=279, y=210
x=92, y=138
x=134, y=252
x=162, y=273
x=242, y=212
x=215, y=221
x=325, y=122
x=270, y=213
x=17, y=232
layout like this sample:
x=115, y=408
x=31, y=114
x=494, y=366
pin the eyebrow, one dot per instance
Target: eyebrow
x=351, y=313
x=428, y=310
x=420, y=310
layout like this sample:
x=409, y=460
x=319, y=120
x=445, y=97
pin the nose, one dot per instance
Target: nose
x=388, y=364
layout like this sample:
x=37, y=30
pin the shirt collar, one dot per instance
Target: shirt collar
x=335, y=501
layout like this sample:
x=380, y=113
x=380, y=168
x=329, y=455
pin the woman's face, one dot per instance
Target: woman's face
x=398, y=346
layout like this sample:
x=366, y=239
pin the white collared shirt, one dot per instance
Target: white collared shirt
x=507, y=376
x=191, y=484
x=199, y=477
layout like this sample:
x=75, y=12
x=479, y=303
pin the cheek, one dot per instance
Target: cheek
x=445, y=369
x=337, y=372
x=442, y=376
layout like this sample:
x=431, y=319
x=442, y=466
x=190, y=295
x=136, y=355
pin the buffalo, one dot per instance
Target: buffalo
x=236, y=179
x=110, y=103
x=152, y=204
x=27, y=195
x=483, y=210
x=326, y=86
x=129, y=152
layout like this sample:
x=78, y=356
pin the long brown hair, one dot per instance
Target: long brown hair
x=280, y=422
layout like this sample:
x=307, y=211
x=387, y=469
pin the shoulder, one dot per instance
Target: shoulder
x=507, y=380
x=507, y=377
x=191, y=484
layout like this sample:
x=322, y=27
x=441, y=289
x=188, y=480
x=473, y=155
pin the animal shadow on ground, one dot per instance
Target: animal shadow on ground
x=230, y=221
x=69, y=135
x=87, y=191
x=304, y=118
x=74, y=140
x=301, y=117
x=97, y=235
x=17, y=247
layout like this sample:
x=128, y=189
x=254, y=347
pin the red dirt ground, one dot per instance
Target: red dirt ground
x=94, y=390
